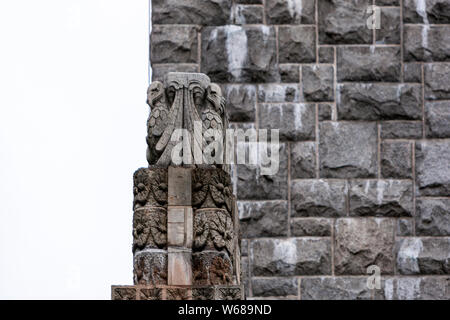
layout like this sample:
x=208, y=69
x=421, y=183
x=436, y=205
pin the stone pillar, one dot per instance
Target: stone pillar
x=185, y=224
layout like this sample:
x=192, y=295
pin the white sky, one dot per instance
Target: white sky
x=73, y=80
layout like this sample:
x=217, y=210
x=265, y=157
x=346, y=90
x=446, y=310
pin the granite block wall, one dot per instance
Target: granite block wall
x=364, y=119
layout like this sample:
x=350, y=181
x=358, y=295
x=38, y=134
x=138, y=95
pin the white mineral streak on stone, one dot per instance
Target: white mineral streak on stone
x=236, y=47
x=408, y=288
x=421, y=8
x=237, y=14
x=399, y=92
x=389, y=289
x=338, y=94
x=366, y=187
x=285, y=250
x=266, y=33
x=295, y=8
x=381, y=186
x=408, y=254
x=299, y=110
x=372, y=49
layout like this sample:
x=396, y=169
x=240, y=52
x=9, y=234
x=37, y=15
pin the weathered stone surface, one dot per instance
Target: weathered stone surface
x=433, y=217
x=179, y=262
x=377, y=101
x=426, y=11
x=180, y=47
x=368, y=64
x=437, y=119
x=426, y=43
x=325, y=112
x=248, y=14
x=414, y=288
x=250, y=1
x=311, y=227
x=241, y=102
x=178, y=294
x=273, y=287
x=160, y=70
x=239, y=54
x=405, y=227
x=211, y=268
x=203, y=12
x=150, y=294
x=389, y=33
x=251, y=185
x=318, y=83
x=360, y=243
x=412, y=72
x=432, y=167
x=290, y=11
x=149, y=228
x=303, y=160
x=386, y=198
x=150, y=267
x=396, y=160
x=289, y=72
x=124, y=293
x=296, y=44
x=296, y=121
x=244, y=247
x=347, y=150
x=263, y=218
x=423, y=256
x=203, y=293
x=318, y=198
x=230, y=293
x=289, y=257
x=437, y=80
x=278, y=92
x=180, y=181
x=335, y=288
x=326, y=54
x=401, y=130
x=341, y=21
x=387, y=2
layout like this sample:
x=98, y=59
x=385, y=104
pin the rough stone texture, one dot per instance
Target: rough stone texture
x=290, y=11
x=289, y=257
x=432, y=167
x=303, y=160
x=311, y=227
x=335, y=288
x=278, y=93
x=376, y=101
x=405, y=227
x=426, y=11
x=239, y=54
x=263, y=219
x=437, y=119
x=318, y=198
x=241, y=102
x=326, y=54
x=360, y=243
x=396, y=159
x=248, y=14
x=296, y=44
x=385, y=198
x=412, y=72
x=344, y=22
x=181, y=47
x=160, y=70
x=347, y=150
x=426, y=43
x=203, y=12
x=318, y=82
x=437, y=80
x=414, y=288
x=325, y=112
x=401, y=130
x=390, y=26
x=272, y=287
x=433, y=217
x=368, y=64
x=423, y=256
x=289, y=72
x=295, y=121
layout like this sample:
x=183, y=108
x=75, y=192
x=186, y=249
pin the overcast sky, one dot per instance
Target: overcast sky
x=73, y=77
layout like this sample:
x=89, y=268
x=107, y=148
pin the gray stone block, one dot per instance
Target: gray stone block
x=296, y=121
x=311, y=227
x=426, y=43
x=344, y=22
x=360, y=243
x=325, y=112
x=160, y=70
x=335, y=288
x=290, y=11
x=389, y=33
x=426, y=11
x=432, y=167
x=180, y=47
x=405, y=227
x=241, y=102
x=263, y=218
x=296, y=44
x=326, y=54
x=289, y=72
x=274, y=287
x=248, y=14
x=278, y=92
x=385, y=198
x=318, y=83
x=387, y=2
x=412, y=72
x=437, y=119
x=423, y=256
x=303, y=160
x=199, y=12
x=347, y=150
x=239, y=54
x=401, y=130
x=396, y=159
x=414, y=288
x=318, y=198
x=433, y=217
x=437, y=80
x=368, y=64
x=289, y=257
x=377, y=101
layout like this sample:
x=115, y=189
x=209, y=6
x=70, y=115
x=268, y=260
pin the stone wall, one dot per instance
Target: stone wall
x=364, y=119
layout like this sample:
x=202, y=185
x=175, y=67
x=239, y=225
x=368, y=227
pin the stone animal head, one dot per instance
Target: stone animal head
x=155, y=93
x=214, y=96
